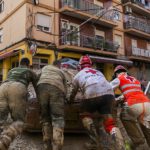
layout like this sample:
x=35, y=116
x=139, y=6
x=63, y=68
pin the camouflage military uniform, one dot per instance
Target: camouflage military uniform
x=13, y=98
x=51, y=94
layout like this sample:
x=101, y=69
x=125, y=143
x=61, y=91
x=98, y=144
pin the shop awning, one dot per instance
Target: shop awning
x=111, y=60
x=8, y=54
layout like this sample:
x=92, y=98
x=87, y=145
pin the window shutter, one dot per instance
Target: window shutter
x=44, y=21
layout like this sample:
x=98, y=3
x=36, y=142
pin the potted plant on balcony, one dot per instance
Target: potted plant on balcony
x=73, y=38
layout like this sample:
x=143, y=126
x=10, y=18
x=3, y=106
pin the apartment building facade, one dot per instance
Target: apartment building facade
x=137, y=36
x=44, y=30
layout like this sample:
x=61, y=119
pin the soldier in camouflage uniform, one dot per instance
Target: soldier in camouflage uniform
x=51, y=91
x=13, y=100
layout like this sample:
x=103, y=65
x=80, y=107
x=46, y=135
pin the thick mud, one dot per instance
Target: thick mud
x=33, y=141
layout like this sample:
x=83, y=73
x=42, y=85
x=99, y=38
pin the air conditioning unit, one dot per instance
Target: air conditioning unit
x=65, y=25
x=128, y=10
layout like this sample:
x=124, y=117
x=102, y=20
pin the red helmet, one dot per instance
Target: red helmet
x=85, y=61
x=120, y=67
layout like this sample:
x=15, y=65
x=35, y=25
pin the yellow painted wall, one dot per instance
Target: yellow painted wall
x=6, y=67
x=108, y=71
x=72, y=55
x=8, y=61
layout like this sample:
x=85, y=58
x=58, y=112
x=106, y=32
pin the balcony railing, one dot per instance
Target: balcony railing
x=139, y=24
x=140, y=52
x=139, y=3
x=89, y=8
x=90, y=42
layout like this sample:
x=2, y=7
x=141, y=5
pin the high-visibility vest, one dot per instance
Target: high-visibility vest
x=131, y=89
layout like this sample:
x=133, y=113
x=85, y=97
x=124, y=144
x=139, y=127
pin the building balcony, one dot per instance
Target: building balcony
x=138, y=27
x=139, y=54
x=83, y=9
x=89, y=44
x=138, y=6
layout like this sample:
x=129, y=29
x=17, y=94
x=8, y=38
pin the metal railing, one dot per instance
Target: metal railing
x=89, y=8
x=140, y=52
x=93, y=42
x=136, y=2
x=139, y=24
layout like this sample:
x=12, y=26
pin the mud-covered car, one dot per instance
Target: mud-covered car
x=72, y=111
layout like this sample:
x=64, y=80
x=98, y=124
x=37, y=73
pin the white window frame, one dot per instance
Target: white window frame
x=1, y=6
x=42, y=27
x=1, y=35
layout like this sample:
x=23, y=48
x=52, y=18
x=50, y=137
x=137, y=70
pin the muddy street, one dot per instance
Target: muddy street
x=33, y=141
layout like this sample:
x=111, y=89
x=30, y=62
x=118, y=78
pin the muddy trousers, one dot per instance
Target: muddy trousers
x=47, y=135
x=146, y=132
x=137, y=129
x=52, y=115
x=53, y=137
x=9, y=134
x=13, y=100
x=94, y=134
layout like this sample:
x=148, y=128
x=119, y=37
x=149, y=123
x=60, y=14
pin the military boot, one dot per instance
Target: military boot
x=9, y=134
x=47, y=136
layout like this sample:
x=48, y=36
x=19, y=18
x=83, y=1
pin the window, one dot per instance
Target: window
x=15, y=64
x=99, y=39
x=118, y=39
x=98, y=3
x=147, y=4
x=1, y=6
x=100, y=33
x=117, y=15
x=134, y=43
x=71, y=38
x=148, y=46
x=43, y=23
x=39, y=63
x=1, y=35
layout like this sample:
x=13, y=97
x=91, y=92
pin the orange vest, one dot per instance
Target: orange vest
x=131, y=89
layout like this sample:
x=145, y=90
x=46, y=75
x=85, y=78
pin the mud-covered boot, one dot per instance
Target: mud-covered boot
x=117, y=138
x=47, y=136
x=92, y=133
x=9, y=134
x=58, y=138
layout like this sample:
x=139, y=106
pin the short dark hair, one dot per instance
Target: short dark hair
x=25, y=61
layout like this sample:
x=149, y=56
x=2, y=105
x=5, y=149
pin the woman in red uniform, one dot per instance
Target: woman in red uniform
x=137, y=106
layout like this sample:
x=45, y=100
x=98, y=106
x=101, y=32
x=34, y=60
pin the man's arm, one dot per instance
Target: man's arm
x=115, y=83
x=74, y=91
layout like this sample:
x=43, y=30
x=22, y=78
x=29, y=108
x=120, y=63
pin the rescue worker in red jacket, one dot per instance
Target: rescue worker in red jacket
x=137, y=106
x=98, y=97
